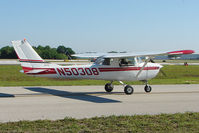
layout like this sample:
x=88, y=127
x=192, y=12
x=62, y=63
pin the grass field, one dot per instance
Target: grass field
x=180, y=123
x=10, y=76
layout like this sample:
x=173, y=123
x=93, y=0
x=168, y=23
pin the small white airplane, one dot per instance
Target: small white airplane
x=112, y=67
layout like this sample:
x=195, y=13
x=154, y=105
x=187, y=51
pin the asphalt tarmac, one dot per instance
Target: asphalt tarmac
x=58, y=102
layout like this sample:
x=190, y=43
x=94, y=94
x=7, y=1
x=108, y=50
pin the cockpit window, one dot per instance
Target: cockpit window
x=103, y=61
x=139, y=60
x=127, y=62
x=106, y=61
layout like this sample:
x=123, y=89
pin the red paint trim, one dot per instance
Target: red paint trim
x=46, y=71
x=30, y=68
x=126, y=69
x=181, y=52
x=49, y=71
x=31, y=60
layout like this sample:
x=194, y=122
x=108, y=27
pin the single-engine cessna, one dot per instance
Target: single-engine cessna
x=112, y=67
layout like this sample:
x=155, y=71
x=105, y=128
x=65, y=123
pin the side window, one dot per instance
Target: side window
x=123, y=62
x=106, y=61
x=127, y=62
x=131, y=61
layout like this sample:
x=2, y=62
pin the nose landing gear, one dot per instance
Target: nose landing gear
x=147, y=88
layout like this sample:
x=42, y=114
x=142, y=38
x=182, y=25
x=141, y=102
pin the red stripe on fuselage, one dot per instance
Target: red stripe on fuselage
x=126, y=69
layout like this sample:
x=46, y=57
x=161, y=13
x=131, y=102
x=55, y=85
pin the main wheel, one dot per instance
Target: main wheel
x=128, y=89
x=147, y=88
x=109, y=87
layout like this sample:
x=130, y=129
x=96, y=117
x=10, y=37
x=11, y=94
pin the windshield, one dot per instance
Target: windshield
x=139, y=60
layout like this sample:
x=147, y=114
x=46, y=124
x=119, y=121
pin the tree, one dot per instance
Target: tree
x=113, y=52
x=61, y=56
x=46, y=52
x=8, y=53
x=70, y=51
x=61, y=49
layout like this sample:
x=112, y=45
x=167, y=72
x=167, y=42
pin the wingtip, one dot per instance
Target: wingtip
x=182, y=52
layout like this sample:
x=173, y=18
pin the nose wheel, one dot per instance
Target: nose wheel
x=147, y=88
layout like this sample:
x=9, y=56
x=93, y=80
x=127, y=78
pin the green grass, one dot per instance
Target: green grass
x=10, y=76
x=180, y=123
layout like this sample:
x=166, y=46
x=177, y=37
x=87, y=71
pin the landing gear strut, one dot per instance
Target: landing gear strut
x=147, y=88
x=109, y=87
x=127, y=88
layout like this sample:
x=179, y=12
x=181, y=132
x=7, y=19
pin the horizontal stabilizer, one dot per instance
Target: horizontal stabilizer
x=36, y=71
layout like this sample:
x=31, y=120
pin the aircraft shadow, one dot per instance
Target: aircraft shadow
x=84, y=96
x=4, y=95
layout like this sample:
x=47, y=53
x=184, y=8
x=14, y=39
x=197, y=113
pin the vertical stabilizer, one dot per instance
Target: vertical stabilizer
x=25, y=52
x=28, y=57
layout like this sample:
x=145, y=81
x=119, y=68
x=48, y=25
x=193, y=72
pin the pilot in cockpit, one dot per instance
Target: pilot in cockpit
x=123, y=62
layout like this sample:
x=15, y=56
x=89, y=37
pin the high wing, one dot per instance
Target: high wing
x=126, y=55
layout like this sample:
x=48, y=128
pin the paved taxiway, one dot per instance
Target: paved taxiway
x=57, y=102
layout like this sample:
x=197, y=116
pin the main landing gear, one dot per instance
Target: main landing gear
x=127, y=88
x=109, y=87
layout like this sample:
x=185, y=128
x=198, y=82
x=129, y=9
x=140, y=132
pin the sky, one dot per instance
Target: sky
x=102, y=25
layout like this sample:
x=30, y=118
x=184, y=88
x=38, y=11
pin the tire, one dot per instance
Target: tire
x=108, y=87
x=147, y=89
x=128, y=89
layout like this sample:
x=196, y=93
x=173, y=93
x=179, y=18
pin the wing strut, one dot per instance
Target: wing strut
x=146, y=61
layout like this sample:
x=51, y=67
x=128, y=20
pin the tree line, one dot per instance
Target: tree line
x=46, y=52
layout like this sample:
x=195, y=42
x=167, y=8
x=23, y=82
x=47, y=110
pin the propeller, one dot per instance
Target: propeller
x=161, y=71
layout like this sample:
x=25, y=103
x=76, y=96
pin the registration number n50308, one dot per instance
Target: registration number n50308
x=77, y=71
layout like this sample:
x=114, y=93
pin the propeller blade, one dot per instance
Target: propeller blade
x=151, y=60
x=163, y=73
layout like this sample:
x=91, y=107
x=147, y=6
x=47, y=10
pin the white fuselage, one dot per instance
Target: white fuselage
x=102, y=72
